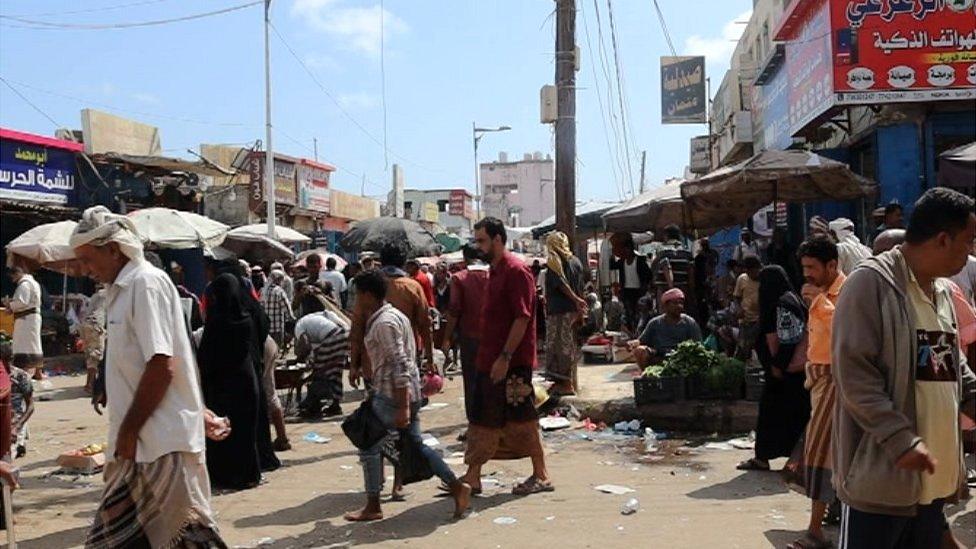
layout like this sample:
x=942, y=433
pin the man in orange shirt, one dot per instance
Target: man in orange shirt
x=819, y=258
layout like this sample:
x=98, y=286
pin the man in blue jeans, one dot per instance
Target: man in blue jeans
x=395, y=399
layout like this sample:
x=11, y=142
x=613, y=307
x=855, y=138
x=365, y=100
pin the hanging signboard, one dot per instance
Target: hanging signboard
x=460, y=203
x=771, y=113
x=429, y=212
x=284, y=181
x=808, y=65
x=313, y=186
x=683, y=98
x=350, y=206
x=700, y=161
x=888, y=51
x=35, y=171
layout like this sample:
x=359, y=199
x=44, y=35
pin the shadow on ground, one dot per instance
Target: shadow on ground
x=415, y=522
x=64, y=538
x=782, y=538
x=750, y=484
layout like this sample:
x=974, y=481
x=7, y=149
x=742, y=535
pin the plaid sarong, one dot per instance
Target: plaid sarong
x=160, y=504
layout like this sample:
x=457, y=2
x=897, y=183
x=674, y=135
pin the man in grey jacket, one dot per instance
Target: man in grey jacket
x=901, y=383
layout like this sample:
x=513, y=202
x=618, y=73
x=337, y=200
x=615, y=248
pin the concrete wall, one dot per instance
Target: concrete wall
x=217, y=205
x=105, y=133
x=525, y=188
x=417, y=197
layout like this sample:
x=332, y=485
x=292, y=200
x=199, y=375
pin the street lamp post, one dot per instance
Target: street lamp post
x=269, y=186
x=476, y=135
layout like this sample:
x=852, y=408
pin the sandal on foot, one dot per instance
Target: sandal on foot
x=447, y=490
x=752, y=464
x=532, y=485
x=810, y=542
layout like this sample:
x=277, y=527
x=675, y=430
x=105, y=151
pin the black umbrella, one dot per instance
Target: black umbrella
x=372, y=234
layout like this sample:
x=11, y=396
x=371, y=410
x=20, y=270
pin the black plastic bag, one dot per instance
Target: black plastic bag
x=363, y=428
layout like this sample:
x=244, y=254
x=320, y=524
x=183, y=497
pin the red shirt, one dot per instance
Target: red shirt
x=511, y=295
x=421, y=277
x=468, y=289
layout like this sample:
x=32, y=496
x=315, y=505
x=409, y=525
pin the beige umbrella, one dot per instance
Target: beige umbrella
x=168, y=228
x=731, y=195
x=260, y=230
x=45, y=246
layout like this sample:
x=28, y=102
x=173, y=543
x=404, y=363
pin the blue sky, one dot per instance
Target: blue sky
x=448, y=63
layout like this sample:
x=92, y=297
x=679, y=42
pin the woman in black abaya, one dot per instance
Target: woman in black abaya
x=230, y=385
x=784, y=408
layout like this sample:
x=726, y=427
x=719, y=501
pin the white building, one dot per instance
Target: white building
x=521, y=193
x=452, y=209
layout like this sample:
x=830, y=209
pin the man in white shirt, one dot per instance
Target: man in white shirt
x=26, y=306
x=746, y=248
x=156, y=426
x=966, y=278
x=334, y=277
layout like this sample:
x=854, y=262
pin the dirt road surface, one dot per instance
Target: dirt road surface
x=695, y=499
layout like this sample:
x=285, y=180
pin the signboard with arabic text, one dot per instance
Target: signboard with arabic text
x=37, y=173
x=460, y=203
x=887, y=51
x=313, y=187
x=683, y=98
x=808, y=66
x=284, y=185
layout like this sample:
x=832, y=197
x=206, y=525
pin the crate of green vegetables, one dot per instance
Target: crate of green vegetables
x=652, y=387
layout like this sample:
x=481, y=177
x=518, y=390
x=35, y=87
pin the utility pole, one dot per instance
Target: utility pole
x=566, y=119
x=643, y=163
x=315, y=148
x=269, y=180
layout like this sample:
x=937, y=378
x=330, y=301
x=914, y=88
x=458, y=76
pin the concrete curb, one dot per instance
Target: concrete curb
x=722, y=416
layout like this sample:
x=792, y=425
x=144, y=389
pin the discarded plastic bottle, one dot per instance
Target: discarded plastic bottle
x=631, y=507
x=650, y=440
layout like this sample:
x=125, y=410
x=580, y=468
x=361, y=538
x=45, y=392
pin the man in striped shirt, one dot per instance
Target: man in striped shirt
x=276, y=305
x=322, y=341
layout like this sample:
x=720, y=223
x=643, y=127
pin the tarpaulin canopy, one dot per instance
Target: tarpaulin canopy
x=649, y=211
x=731, y=195
x=260, y=230
x=588, y=218
x=957, y=167
x=256, y=248
x=175, y=229
x=165, y=163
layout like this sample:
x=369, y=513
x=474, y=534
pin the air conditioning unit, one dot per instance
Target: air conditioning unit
x=548, y=111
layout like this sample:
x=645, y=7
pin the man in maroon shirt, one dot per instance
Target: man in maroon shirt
x=504, y=423
x=468, y=290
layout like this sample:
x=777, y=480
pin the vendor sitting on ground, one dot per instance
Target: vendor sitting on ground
x=664, y=332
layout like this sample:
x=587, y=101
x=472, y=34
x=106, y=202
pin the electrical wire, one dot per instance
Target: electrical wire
x=130, y=111
x=386, y=149
x=599, y=97
x=614, y=120
x=664, y=28
x=620, y=93
x=28, y=101
x=91, y=10
x=47, y=25
x=305, y=146
x=339, y=106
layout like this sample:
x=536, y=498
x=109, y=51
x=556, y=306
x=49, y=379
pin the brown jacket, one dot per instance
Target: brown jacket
x=407, y=296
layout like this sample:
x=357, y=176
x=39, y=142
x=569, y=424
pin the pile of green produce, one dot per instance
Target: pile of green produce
x=693, y=359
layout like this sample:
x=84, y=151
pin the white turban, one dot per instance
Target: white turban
x=842, y=228
x=99, y=226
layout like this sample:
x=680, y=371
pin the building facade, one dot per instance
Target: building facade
x=452, y=209
x=522, y=193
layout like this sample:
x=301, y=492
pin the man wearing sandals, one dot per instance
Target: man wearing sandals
x=901, y=382
x=819, y=257
x=504, y=423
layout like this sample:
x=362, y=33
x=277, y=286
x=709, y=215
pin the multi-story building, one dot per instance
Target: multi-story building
x=521, y=192
x=452, y=209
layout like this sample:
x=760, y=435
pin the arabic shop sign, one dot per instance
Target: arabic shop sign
x=284, y=185
x=770, y=113
x=37, y=173
x=683, y=90
x=313, y=188
x=808, y=65
x=460, y=204
x=903, y=50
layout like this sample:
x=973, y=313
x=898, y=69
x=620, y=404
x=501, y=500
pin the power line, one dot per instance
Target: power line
x=28, y=101
x=614, y=121
x=91, y=10
x=386, y=159
x=664, y=28
x=599, y=97
x=305, y=146
x=339, y=106
x=47, y=25
x=130, y=111
x=620, y=93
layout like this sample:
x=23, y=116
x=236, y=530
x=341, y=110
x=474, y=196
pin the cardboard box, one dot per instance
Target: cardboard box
x=82, y=464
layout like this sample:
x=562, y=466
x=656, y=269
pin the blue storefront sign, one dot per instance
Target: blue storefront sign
x=36, y=172
x=771, y=112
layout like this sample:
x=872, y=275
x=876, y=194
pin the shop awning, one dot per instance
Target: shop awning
x=589, y=217
x=167, y=164
x=650, y=211
x=957, y=167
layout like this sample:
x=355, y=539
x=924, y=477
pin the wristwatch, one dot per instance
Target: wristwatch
x=506, y=355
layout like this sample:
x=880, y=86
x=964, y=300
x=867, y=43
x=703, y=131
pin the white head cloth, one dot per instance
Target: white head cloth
x=843, y=229
x=98, y=226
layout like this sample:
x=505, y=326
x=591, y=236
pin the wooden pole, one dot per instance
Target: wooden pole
x=643, y=164
x=566, y=118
